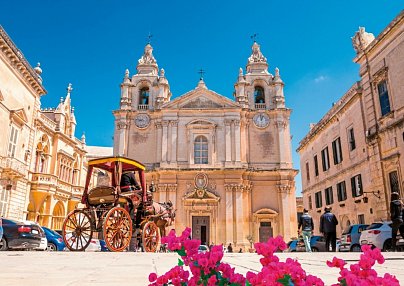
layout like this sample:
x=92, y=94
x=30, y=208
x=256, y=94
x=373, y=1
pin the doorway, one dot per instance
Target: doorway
x=265, y=231
x=200, y=229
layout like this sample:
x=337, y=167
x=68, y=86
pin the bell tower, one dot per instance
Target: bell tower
x=258, y=89
x=147, y=89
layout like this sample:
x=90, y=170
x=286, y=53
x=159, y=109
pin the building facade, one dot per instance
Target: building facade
x=42, y=163
x=226, y=165
x=352, y=159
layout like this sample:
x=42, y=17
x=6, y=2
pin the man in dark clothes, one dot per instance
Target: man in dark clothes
x=396, y=217
x=128, y=182
x=307, y=225
x=328, y=227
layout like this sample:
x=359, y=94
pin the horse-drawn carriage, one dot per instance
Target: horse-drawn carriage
x=113, y=213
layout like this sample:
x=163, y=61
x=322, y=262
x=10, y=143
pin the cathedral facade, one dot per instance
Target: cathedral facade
x=225, y=164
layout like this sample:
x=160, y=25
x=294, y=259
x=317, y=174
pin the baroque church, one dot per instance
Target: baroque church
x=225, y=164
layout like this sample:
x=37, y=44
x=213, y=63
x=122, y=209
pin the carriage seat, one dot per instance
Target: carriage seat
x=101, y=195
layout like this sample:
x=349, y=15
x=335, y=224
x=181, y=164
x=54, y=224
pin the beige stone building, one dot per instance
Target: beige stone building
x=226, y=165
x=353, y=158
x=42, y=163
x=58, y=168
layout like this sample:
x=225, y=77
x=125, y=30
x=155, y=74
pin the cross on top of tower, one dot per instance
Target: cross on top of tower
x=201, y=72
x=254, y=37
x=149, y=38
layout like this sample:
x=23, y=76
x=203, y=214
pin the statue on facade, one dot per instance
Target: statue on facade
x=147, y=57
x=361, y=40
x=256, y=55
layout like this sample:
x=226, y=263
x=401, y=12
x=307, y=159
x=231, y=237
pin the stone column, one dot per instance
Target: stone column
x=159, y=141
x=283, y=144
x=122, y=148
x=174, y=128
x=228, y=139
x=172, y=194
x=284, y=193
x=240, y=237
x=164, y=141
x=229, y=214
x=237, y=139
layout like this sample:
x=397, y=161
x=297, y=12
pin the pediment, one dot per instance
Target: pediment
x=200, y=194
x=19, y=116
x=201, y=98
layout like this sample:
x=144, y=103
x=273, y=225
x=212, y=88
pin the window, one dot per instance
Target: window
x=351, y=139
x=356, y=183
x=329, y=198
x=259, y=96
x=319, y=200
x=336, y=151
x=325, y=158
x=394, y=186
x=383, y=97
x=144, y=96
x=201, y=150
x=310, y=203
x=4, y=197
x=361, y=219
x=341, y=191
x=12, y=142
x=307, y=171
x=315, y=165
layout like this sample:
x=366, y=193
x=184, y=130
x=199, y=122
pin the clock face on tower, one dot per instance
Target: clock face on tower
x=142, y=120
x=261, y=120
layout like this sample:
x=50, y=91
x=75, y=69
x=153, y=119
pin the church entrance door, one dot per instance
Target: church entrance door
x=200, y=228
x=265, y=231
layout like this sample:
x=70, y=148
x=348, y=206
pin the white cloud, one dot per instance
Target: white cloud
x=320, y=78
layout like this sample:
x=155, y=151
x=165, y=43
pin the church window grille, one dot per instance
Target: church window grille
x=201, y=150
x=394, y=185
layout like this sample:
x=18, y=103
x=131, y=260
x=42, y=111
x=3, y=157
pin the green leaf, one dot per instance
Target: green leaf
x=182, y=252
x=180, y=262
x=286, y=280
x=343, y=282
x=247, y=283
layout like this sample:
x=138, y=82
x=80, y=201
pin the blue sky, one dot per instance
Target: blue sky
x=91, y=43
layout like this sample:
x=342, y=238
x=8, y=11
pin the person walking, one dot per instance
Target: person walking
x=307, y=225
x=396, y=208
x=328, y=227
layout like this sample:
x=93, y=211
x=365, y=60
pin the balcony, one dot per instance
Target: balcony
x=260, y=106
x=143, y=107
x=44, y=179
x=13, y=167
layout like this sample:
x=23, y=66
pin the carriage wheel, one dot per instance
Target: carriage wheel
x=77, y=231
x=150, y=237
x=117, y=229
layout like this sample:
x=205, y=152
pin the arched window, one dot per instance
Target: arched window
x=201, y=150
x=259, y=96
x=144, y=96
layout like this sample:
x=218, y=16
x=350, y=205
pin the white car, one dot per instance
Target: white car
x=93, y=246
x=378, y=234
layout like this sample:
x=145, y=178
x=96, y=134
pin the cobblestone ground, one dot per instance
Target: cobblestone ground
x=130, y=268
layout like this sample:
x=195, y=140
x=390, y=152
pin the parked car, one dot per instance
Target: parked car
x=44, y=242
x=20, y=235
x=203, y=248
x=55, y=240
x=94, y=245
x=317, y=244
x=378, y=235
x=291, y=246
x=1, y=228
x=350, y=238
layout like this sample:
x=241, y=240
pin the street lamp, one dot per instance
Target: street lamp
x=375, y=193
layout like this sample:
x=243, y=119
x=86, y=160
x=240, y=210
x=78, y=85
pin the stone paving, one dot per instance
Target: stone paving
x=131, y=268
